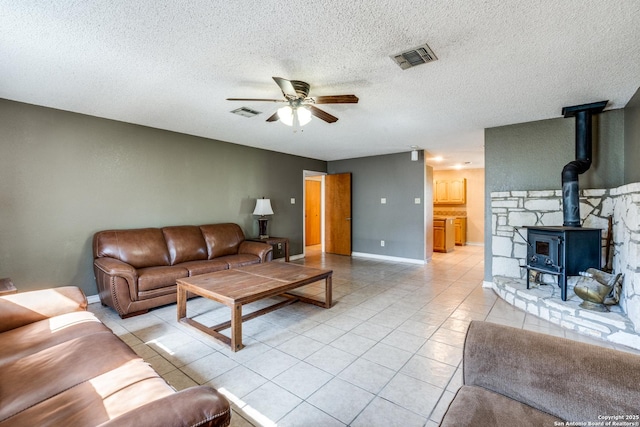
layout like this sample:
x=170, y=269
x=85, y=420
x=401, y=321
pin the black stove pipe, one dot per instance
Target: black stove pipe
x=570, y=187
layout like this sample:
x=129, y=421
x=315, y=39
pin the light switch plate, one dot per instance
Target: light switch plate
x=293, y=201
x=383, y=201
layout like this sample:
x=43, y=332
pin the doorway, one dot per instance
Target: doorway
x=313, y=230
x=313, y=211
x=327, y=213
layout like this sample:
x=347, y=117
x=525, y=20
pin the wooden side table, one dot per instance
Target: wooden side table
x=7, y=287
x=280, y=246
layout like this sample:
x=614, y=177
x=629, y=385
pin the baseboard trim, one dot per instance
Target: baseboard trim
x=487, y=285
x=388, y=258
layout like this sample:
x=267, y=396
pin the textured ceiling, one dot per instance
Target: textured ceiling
x=170, y=65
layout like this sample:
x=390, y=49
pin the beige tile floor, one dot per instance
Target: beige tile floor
x=387, y=354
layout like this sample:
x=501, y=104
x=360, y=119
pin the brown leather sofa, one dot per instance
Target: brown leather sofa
x=137, y=269
x=514, y=377
x=60, y=366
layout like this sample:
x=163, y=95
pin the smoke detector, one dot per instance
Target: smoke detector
x=246, y=112
x=416, y=56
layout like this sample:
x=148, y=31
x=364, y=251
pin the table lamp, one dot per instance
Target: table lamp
x=263, y=207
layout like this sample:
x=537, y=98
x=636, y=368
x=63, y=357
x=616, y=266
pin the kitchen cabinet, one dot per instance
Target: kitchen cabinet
x=450, y=192
x=441, y=192
x=460, y=227
x=438, y=235
x=443, y=234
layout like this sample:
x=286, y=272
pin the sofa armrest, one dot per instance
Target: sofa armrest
x=24, y=308
x=195, y=406
x=115, y=267
x=572, y=380
x=262, y=250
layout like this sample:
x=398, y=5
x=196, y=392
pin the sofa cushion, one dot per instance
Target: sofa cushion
x=571, y=380
x=26, y=307
x=476, y=406
x=71, y=370
x=240, y=260
x=159, y=277
x=34, y=337
x=203, y=267
x=222, y=239
x=98, y=400
x=142, y=247
x=185, y=243
x=37, y=377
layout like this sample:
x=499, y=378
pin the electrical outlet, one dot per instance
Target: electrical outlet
x=293, y=201
x=416, y=200
x=381, y=242
x=383, y=201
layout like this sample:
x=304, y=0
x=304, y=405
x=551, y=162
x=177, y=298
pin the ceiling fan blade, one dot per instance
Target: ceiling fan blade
x=335, y=99
x=256, y=99
x=286, y=87
x=274, y=117
x=321, y=114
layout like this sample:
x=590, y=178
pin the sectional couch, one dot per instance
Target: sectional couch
x=514, y=377
x=137, y=269
x=60, y=366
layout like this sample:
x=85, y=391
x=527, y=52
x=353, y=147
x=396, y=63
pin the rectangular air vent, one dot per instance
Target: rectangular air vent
x=419, y=55
x=245, y=112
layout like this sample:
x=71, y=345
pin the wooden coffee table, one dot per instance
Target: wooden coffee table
x=245, y=285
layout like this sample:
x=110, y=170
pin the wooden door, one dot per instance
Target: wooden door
x=312, y=212
x=337, y=237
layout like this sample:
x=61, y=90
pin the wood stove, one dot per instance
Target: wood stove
x=562, y=251
x=569, y=249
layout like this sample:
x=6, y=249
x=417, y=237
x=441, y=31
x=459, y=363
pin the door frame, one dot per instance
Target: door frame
x=305, y=175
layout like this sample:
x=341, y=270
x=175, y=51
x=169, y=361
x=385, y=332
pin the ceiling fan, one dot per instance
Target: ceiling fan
x=301, y=106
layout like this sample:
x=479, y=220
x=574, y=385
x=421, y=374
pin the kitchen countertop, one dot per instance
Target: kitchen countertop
x=449, y=214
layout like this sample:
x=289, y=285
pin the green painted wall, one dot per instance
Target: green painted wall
x=531, y=156
x=399, y=222
x=632, y=140
x=64, y=176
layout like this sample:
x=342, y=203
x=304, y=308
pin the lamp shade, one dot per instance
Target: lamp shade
x=263, y=207
x=304, y=115
x=288, y=115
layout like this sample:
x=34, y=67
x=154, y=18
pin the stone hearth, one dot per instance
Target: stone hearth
x=514, y=210
x=544, y=301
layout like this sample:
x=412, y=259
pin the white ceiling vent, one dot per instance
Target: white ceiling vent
x=246, y=112
x=419, y=55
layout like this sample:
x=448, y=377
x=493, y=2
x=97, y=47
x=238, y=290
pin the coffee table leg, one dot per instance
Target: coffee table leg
x=182, y=303
x=236, y=327
x=328, y=293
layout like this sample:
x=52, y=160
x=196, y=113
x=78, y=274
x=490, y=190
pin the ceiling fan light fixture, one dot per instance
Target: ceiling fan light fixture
x=289, y=115
x=286, y=115
x=304, y=116
x=300, y=107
